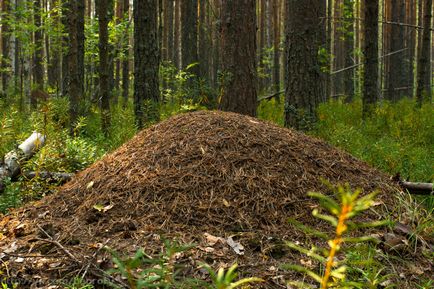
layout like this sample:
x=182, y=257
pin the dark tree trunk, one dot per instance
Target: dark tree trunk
x=67, y=41
x=216, y=42
x=370, y=51
x=203, y=39
x=349, y=49
x=125, y=61
x=118, y=19
x=238, y=40
x=396, y=64
x=73, y=80
x=146, y=62
x=424, y=74
x=302, y=90
x=104, y=12
x=176, y=37
x=411, y=45
x=80, y=46
x=5, y=38
x=189, y=34
x=322, y=5
x=328, y=85
x=54, y=65
x=276, y=45
x=170, y=36
x=38, y=72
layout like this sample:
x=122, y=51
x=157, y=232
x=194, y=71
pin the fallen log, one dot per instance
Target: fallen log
x=51, y=176
x=418, y=188
x=12, y=162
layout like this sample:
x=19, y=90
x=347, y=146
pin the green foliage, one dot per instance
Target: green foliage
x=11, y=197
x=144, y=271
x=345, y=205
x=397, y=138
x=226, y=280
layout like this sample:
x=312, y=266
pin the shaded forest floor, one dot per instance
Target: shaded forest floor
x=397, y=139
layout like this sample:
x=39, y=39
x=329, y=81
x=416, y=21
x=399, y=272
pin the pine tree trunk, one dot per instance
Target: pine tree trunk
x=103, y=10
x=146, y=62
x=203, y=47
x=349, y=49
x=73, y=80
x=176, y=37
x=189, y=34
x=302, y=90
x=5, y=38
x=38, y=72
x=370, y=51
x=238, y=40
x=276, y=45
x=125, y=61
x=54, y=65
x=424, y=74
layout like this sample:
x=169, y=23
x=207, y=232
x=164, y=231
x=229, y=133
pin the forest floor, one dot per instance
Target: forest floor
x=228, y=184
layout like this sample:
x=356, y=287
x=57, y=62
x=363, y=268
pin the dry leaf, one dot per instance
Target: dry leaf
x=237, y=247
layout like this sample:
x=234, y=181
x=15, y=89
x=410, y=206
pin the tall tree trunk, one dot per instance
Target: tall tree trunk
x=395, y=80
x=370, y=51
x=118, y=19
x=203, y=46
x=54, y=65
x=411, y=45
x=170, y=36
x=104, y=12
x=238, y=40
x=322, y=5
x=349, y=49
x=5, y=38
x=80, y=46
x=73, y=80
x=424, y=74
x=146, y=62
x=216, y=42
x=302, y=90
x=38, y=72
x=276, y=45
x=125, y=61
x=176, y=37
x=67, y=42
x=189, y=34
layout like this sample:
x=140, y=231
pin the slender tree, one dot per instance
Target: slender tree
x=5, y=38
x=370, y=51
x=238, y=42
x=125, y=60
x=104, y=12
x=38, y=72
x=303, y=89
x=397, y=76
x=71, y=61
x=424, y=75
x=146, y=61
x=189, y=33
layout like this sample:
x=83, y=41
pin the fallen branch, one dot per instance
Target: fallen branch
x=13, y=160
x=54, y=176
x=418, y=188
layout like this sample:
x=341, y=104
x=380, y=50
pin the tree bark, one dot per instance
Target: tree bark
x=189, y=34
x=303, y=76
x=104, y=12
x=125, y=61
x=12, y=161
x=424, y=74
x=5, y=38
x=349, y=49
x=238, y=40
x=370, y=51
x=146, y=62
x=38, y=72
